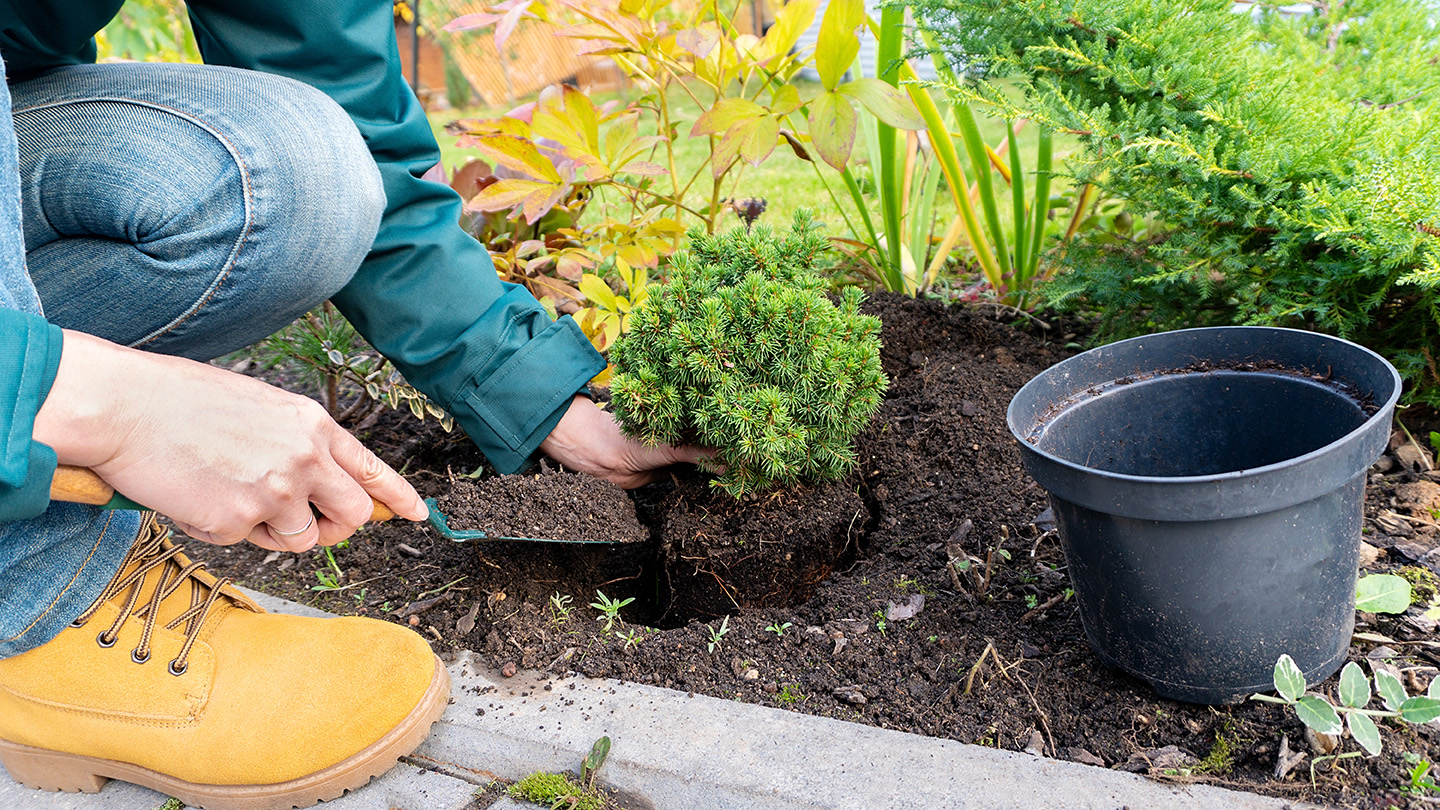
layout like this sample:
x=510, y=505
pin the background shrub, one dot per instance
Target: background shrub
x=1293, y=159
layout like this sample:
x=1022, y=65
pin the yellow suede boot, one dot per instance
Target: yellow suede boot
x=178, y=682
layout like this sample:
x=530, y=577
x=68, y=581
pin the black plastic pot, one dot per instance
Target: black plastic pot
x=1208, y=486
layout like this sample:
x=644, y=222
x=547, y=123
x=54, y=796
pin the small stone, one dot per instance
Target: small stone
x=1413, y=458
x=1036, y=746
x=851, y=694
x=1159, y=759
x=1028, y=650
x=771, y=688
x=1083, y=757
x=509, y=669
x=968, y=408
x=1383, y=465
x=1369, y=555
x=751, y=675
x=414, y=620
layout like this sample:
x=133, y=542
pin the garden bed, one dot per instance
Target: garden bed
x=836, y=599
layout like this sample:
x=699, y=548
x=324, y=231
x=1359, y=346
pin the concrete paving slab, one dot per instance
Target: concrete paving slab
x=673, y=751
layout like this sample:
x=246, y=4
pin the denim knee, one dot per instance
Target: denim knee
x=189, y=209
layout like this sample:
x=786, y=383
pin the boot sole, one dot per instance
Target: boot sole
x=71, y=773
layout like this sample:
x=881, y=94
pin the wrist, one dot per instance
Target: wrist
x=81, y=418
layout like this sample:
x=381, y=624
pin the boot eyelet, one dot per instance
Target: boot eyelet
x=180, y=670
x=77, y=624
x=100, y=639
x=135, y=656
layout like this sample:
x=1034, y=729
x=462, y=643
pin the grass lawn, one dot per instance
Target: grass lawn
x=785, y=181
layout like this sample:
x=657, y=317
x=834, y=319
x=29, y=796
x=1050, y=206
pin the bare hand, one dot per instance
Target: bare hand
x=589, y=440
x=227, y=457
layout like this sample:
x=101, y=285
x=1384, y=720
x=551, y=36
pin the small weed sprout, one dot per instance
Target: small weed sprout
x=880, y=623
x=559, y=608
x=1032, y=601
x=905, y=583
x=790, y=694
x=610, y=609
x=632, y=638
x=779, y=629
x=1420, y=783
x=331, y=574
x=717, y=634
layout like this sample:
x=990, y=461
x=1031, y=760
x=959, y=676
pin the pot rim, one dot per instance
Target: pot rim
x=1038, y=459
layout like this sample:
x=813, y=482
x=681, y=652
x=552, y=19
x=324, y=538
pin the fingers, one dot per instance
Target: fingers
x=377, y=479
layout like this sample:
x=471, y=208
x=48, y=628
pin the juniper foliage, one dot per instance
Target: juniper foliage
x=742, y=350
x=1294, y=157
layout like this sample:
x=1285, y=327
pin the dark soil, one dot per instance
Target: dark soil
x=552, y=504
x=837, y=599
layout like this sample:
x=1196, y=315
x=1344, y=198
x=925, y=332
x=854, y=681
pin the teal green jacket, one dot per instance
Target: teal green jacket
x=427, y=296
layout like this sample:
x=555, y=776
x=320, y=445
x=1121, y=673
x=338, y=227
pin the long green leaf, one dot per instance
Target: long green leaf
x=980, y=164
x=887, y=58
x=954, y=175
x=837, y=44
x=1017, y=208
x=1040, y=208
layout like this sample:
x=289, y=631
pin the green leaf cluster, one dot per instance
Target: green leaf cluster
x=743, y=351
x=1317, y=712
x=1294, y=157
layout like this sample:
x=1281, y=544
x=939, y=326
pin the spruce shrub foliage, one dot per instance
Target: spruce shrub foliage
x=1293, y=158
x=742, y=350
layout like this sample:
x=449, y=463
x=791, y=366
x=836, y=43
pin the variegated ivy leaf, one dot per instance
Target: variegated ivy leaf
x=1363, y=729
x=1289, y=680
x=1317, y=713
x=1354, y=688
x=1390, y=689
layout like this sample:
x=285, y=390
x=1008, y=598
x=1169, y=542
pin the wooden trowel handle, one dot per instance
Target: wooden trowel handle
x=82, y=485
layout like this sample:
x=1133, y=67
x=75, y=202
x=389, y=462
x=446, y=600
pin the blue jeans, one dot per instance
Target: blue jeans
x=182, y=209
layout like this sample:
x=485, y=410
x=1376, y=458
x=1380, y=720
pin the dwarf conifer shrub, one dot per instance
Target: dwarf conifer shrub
x=743, y=351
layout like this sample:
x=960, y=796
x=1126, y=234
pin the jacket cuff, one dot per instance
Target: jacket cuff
x=26, y=466
x=511, y=411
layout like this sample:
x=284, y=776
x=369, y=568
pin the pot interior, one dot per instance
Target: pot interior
x=1194, y=423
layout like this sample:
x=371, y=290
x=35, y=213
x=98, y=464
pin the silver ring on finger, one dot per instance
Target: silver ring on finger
x=298, y=531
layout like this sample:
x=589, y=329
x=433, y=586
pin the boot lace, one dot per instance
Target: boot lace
x=151, y=551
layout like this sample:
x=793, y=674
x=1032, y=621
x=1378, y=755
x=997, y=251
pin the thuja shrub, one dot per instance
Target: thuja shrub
x=743, y=351
x=1294, y=158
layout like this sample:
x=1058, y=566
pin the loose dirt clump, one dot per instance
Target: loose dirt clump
x=552, y=505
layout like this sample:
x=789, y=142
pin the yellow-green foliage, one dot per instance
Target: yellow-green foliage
x=547, y=789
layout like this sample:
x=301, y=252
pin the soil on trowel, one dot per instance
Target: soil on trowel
x=947, y=608
x=548, y=505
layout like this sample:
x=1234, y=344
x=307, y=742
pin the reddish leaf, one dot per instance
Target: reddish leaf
x=832, y=128
x=699, y=41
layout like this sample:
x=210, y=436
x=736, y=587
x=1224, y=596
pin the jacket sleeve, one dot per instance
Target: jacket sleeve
x=30, y=348
x=427, y=296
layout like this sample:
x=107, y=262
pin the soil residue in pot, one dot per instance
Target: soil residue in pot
x=552, y=505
